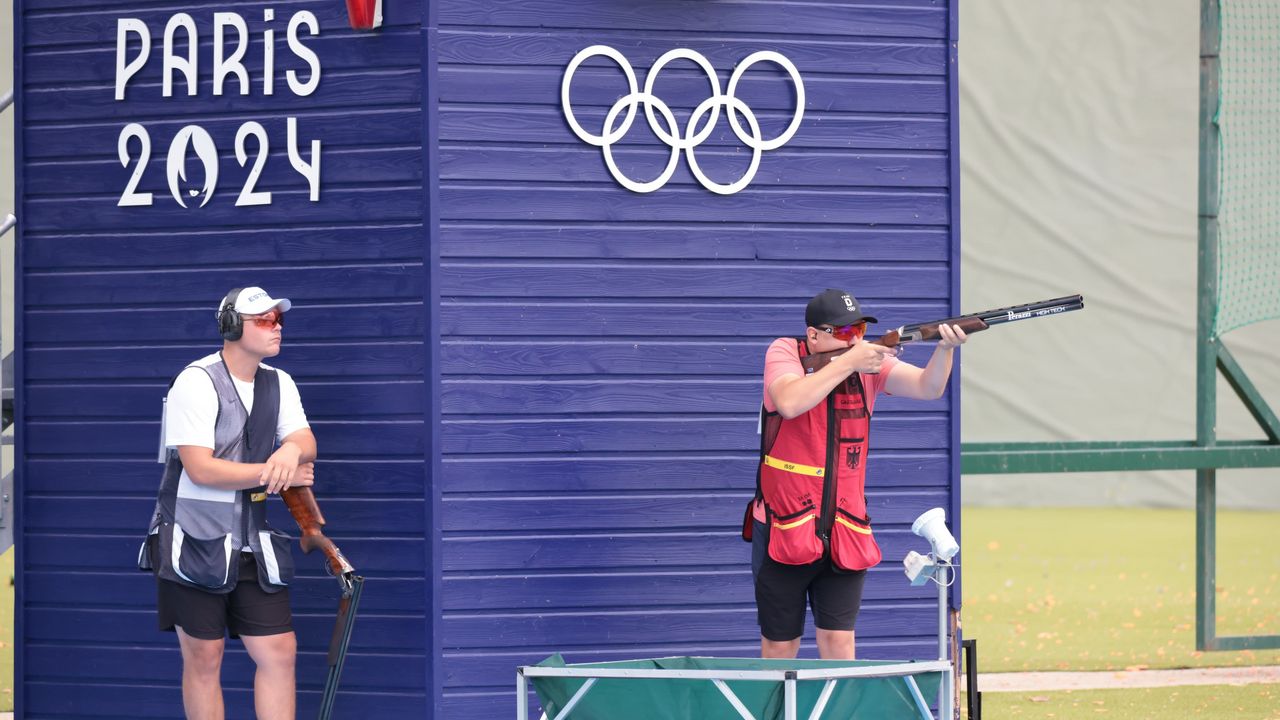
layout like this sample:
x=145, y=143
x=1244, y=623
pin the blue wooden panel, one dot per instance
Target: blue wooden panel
x=702, y=471
x=604, y=203
x=724, y=241
x=911, y=19
x=633, y=512
x=193, y=288
x=116, y=300
x=341, y=128
x=378, y=632
x=582, y=628
x=161, y=663
x=65, y=214
x=622, y=395
x=686, y=280
x=61, y=22
x=390, y=89
x=539, y=124
x=120, y=701
x=97, y=64
x=847, y=168
x=701, y=548
x=899, y=56
x=392, y=360
x=335, y=478
x=312, y=591
x=323, y=401
x=378, y=554
x=51, y=513
x=469, y=84
x=546, y=360
x=728, y=317
x=643, y=434
x=599, y=589
x=374, y=438
x=251, y=245
x=396, y=165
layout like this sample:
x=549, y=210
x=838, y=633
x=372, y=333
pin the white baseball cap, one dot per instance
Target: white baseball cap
x=255, y=301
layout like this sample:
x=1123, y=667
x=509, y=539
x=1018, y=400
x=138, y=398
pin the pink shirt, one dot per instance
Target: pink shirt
x=782, y=358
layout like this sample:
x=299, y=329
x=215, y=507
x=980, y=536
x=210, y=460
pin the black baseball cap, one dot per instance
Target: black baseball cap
x=836, y=308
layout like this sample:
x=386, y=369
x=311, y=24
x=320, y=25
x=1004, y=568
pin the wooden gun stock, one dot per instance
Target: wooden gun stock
x=306, y=512
x=929, y=331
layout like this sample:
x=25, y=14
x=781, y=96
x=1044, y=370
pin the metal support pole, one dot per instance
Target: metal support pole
x=522, y=695
x=1206, y=342
x=944, y=687
x=789, y=695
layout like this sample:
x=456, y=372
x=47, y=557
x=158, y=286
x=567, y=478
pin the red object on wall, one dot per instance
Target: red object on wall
x=365, y=14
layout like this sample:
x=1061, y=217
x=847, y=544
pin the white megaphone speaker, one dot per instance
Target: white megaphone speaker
x=932, y=526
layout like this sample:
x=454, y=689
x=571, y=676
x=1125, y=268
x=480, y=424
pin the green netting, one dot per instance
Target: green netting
x=645, y=699
x=1249, y=164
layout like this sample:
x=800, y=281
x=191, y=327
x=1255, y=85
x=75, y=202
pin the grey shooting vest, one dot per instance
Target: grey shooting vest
x=197, y=532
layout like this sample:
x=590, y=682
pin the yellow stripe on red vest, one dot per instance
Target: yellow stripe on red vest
x=791, y=467
x=796, y=523
x=851, y=526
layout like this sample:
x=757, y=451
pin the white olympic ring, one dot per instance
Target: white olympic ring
x=613, y=131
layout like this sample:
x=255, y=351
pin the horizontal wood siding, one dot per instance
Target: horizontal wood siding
x=601, y=350
x=116, y=300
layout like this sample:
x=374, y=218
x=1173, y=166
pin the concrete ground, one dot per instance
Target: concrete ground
x=1110, y=680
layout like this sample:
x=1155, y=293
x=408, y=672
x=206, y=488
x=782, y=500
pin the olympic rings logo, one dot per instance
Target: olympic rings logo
x=668, y=130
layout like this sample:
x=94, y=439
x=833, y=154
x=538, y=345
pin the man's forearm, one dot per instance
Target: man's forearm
x=224, y=474
x=933, y=381
x=803, y=394
x=306, y=448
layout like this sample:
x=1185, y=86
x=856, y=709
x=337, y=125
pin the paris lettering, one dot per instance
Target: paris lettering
x=179, y=62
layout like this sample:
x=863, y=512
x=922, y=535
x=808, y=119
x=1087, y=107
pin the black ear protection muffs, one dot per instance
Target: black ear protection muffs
x=230, y=324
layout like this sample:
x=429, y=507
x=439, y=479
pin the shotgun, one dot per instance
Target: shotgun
x=306, y=512
x=970, y=323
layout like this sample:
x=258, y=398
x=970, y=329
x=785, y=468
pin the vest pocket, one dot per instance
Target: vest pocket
x=793, y=537
x=205, y=562
x=853, y=547
x=275, y=566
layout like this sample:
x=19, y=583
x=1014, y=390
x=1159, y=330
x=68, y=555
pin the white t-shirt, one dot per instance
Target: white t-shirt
x=191, y=409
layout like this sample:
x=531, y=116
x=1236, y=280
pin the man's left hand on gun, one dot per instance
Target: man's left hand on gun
x=952, y=336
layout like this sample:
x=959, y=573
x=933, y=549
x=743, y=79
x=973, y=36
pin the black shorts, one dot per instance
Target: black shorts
x=246, y=610
x=781, y=590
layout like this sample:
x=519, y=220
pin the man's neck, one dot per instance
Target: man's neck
x=242, y=365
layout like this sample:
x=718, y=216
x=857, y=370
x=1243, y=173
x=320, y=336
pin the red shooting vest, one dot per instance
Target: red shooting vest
x=812, y=477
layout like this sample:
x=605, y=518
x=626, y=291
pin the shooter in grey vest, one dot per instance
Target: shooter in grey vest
x=233, y=433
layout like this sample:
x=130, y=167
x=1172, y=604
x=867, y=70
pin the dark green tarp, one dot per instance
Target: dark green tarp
x=671, y=699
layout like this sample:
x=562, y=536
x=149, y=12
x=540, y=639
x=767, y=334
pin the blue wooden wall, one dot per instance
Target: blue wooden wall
x=116, y=300
x=601, y=350
x=534, y=390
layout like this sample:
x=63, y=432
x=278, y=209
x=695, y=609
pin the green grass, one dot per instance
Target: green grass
x=1203, y=702
x=1110, y=589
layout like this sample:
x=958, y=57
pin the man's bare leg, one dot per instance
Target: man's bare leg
x=201, y=677
x=274, y=691
x=781, y=649
x=835, y=644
